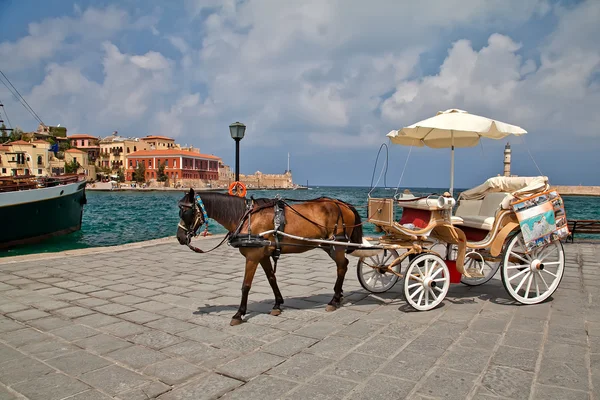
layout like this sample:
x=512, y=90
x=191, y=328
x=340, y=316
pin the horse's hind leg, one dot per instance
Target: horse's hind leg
x=342, y=266
x=268, y=268
x=251, y=266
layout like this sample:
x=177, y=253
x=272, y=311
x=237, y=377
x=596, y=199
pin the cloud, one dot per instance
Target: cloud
x=335, y=74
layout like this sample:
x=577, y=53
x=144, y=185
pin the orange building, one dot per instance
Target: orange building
x=179, y=164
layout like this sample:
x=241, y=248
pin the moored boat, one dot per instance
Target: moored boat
x=33, y=209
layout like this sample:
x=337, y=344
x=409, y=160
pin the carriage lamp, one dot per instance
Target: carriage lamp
x=237, y=130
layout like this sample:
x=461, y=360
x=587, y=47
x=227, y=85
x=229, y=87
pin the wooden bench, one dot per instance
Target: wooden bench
x=585, y=226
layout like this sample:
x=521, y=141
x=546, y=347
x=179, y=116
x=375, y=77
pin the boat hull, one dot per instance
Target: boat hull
x=31, y=216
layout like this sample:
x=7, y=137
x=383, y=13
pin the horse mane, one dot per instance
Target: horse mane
x=224, y=207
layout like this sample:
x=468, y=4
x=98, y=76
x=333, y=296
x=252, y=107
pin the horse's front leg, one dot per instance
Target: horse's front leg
x=342, y=266
x=251, y=265
x=268, y=268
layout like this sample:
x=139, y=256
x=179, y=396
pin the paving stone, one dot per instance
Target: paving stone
x=96, y=320
x=73, y=312
x=22, y=337
x=7, y=354
x=567, y=375
x=434, y=347
x=74, y=332
x=300, y=367
x=141, y=317
x=48, y=349
x=249, y=366
x=542, y=392
x=53, y=386
x=148, y=391
x=409, y=365
x=516, y=358
x=7, y=325
x=490, y=325
x=239, y=344
x=447, y=384
x=22, y=369
x=523, y=339
x=171, y=325
x=206, y=356
x=289, y=345
x=319, y=329
x=152, y=306
x=91, y=302
x=356, y=367
x=156, y=339
x=264, y=388
x=114, y=379
x=383, y=387
x=565, y=353
x=173, y=371
x=508, y=382
x=124, y=328
x=466, y=359
x=137, y=357
x=102, y=343
x=211, y=386
x=28, y=314
x=334, y=347
x=77, y=363
x=5, y=394
x=128, y=299
x=95, y=395
x=12, y=307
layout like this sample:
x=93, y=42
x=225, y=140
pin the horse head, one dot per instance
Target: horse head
x=191, y=218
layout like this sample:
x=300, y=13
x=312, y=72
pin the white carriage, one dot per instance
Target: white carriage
x=438, y=241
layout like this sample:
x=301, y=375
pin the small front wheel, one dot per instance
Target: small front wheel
x=531, y=278
x=426, y=282
x=372, y=271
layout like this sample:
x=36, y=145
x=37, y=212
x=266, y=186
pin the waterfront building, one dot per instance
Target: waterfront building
x=24, y=158
x=159, y=142
x=114, y=150
x=88, y=143
x=180, y=165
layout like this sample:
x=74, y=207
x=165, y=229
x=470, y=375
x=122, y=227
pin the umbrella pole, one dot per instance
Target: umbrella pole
x=452, y=166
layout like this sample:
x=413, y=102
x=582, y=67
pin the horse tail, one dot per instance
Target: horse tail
x=357, y=231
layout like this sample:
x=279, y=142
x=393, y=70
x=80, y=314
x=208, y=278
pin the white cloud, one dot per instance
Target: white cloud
x=333, y=74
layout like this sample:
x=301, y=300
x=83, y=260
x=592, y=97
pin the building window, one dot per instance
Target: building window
x=128, y=150
x=40, y=160
x=26, y=171
x=134, y=148
x=39, y=171
x=3, y=170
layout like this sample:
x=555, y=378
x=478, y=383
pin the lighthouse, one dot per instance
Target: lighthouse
x=507, y=159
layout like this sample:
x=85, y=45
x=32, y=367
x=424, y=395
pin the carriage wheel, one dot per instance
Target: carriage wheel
x=482, y=267
x=372, y=274
x=427, y=282
x=532, y=278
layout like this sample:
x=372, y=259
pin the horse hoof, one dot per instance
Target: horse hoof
x=235, y=322
x=330, y=308
x=275, y=312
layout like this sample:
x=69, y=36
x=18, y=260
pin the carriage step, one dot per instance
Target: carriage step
x=475, y=273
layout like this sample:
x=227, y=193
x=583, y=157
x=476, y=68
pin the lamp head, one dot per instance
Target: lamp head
x=237, y=130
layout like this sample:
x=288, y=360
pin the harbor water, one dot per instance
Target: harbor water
x=120, y=217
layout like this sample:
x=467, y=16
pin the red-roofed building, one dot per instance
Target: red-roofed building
x=159, y=142
x=179, y=164
x=90, y=144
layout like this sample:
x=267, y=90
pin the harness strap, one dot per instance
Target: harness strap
x=197, y=250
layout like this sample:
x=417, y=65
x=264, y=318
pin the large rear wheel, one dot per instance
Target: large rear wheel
x=531, y=278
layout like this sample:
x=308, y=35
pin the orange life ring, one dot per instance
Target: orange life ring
x=237, y=189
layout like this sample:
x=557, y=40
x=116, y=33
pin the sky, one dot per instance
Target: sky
x=324, y=80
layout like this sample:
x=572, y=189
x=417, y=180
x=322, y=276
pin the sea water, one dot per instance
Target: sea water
x=120, y=217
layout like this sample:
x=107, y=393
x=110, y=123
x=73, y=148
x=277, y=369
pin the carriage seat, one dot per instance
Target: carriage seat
x=481, y=214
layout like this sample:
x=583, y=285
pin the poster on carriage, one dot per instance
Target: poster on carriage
x=542, y=218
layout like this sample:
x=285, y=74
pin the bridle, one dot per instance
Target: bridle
x=198, y=211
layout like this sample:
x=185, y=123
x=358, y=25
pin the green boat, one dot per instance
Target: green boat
x=33, y=209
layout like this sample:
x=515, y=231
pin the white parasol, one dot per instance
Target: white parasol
x=453, y=128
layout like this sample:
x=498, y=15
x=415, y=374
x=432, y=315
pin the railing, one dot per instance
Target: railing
x=583, y=226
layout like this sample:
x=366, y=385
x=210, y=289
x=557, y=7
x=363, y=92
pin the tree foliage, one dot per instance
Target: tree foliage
x=72, y=167
x=4, y=137
x=120, y=175
x=139, y=175
x=160, y=175
x=64, y=145
x=16, y=134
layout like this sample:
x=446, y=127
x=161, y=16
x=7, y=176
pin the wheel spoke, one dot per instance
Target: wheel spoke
x=437, y=272
x=519, y=257
x=439, y=289
x=548, y=272
x=518, y=274
x=543, y=280
x=523, y=281
x=552, y=263
x=537, y=286
x=528, y=286
x=414, y=285
x=433, y=294
x=416, y=278
x=419, y=290
x=519, y=266
x=420, y=298
x=426, y=297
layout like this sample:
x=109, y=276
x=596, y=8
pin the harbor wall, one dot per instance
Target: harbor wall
x=577, y=190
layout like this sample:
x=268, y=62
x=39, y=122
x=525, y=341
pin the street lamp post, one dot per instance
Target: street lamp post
x=237, y=131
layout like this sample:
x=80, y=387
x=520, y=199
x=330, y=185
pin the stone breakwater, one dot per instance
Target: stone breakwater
x=152, y=321
x=578, y=190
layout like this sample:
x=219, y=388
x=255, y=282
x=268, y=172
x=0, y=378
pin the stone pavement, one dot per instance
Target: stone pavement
x=153, y=322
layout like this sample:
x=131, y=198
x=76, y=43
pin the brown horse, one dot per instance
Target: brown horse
x=321, y=218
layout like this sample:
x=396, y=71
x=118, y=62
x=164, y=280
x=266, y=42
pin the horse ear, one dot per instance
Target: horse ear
x=191, y=193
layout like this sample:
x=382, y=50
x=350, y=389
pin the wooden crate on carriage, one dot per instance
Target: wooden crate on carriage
x=381, y=211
